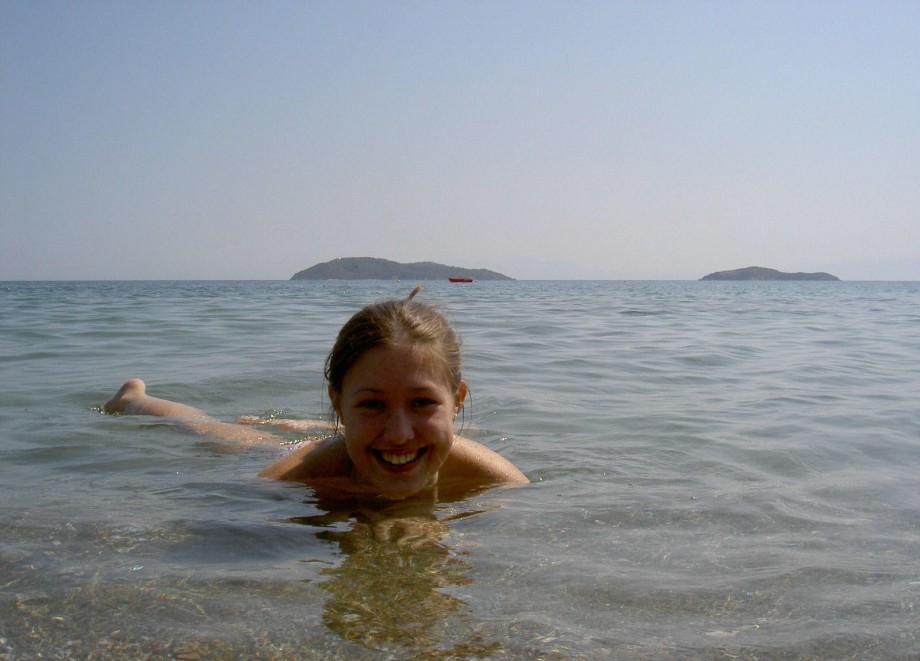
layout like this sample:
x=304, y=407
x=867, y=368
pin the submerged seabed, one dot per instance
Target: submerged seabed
x=721, y=470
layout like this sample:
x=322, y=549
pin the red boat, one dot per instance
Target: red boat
x=460, y=279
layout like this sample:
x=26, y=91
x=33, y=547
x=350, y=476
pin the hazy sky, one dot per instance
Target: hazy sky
x=250, y=140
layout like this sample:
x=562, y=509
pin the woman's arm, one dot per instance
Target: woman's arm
x=286, y=423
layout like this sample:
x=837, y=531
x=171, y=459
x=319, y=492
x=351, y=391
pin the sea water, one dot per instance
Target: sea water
x=719, y=470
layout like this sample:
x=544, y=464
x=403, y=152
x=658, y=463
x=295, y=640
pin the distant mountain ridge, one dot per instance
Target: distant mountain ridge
x=760, y=273
x=374, y=268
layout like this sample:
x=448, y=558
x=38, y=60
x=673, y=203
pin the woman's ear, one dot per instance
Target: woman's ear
x=461, y=396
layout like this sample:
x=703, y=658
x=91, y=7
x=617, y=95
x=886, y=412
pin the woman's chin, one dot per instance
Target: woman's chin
x=406, y=487
x=399, y=492
x=402, y=480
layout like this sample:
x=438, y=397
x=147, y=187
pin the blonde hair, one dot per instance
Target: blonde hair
x=393, y=322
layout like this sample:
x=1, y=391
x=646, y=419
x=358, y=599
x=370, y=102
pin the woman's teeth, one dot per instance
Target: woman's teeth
x=398, y=458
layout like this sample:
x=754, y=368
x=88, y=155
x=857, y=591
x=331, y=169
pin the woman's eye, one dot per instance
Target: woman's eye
x=422, y=402
x=371, y=404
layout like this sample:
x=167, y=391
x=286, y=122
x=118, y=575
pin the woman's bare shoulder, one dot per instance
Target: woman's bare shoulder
x=315, y=459
x=471, y=460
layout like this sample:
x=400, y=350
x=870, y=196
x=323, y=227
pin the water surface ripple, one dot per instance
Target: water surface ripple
x=719, y=469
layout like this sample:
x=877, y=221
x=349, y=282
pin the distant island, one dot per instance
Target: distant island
x=760, y=273
x=372, y=268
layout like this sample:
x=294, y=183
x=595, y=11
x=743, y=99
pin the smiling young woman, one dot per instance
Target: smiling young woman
x=394, y=381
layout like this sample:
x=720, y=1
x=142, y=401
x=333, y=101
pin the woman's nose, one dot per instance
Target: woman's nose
x=398, y=427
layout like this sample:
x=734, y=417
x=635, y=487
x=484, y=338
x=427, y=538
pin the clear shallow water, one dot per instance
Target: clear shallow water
x=720, y=469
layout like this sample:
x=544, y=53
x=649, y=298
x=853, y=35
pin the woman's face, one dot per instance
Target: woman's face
x=397, y=408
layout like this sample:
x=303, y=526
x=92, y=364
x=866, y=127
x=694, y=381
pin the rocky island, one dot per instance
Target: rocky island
x=372, y=268
x=760, y=273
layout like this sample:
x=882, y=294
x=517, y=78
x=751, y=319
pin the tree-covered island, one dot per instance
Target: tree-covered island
x=373, y=268
x=760, y=273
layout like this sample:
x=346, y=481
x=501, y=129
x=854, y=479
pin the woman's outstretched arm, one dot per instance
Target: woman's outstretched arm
x=287, y=424
x=132, y=399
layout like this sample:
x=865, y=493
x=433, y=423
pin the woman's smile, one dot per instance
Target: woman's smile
x=399, y=460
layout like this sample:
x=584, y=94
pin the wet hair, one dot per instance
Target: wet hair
x=394, y=322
